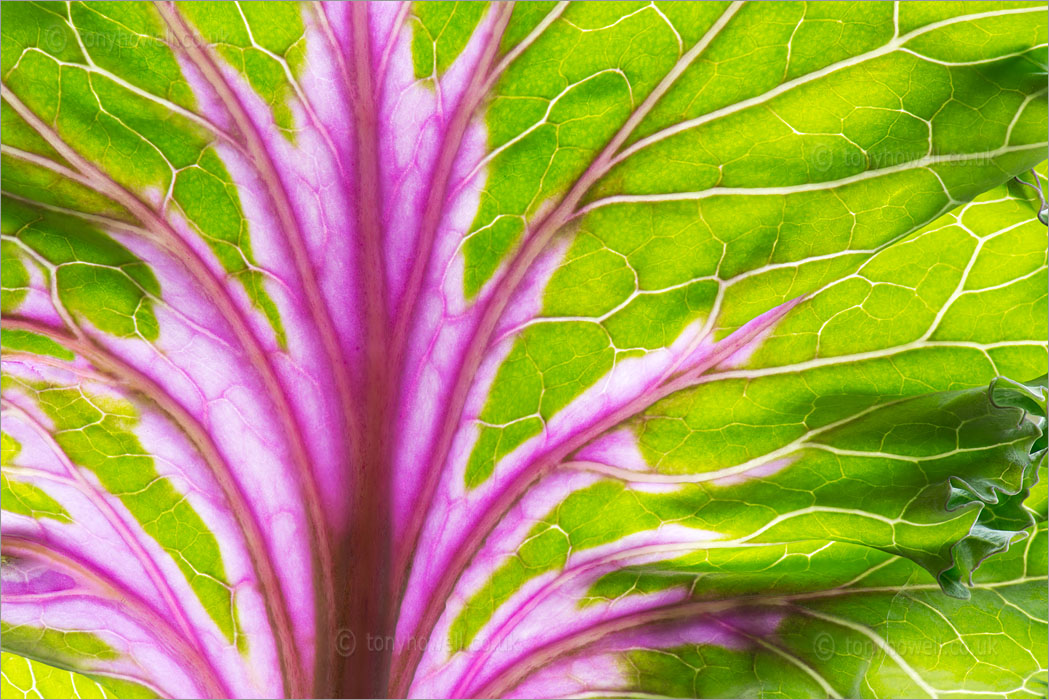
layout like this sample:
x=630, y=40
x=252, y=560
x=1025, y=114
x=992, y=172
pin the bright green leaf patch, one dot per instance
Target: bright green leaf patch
x=95, y=276
x=129, y=40
x=14, y=277
x=27, y=499
x=72, y=648
x=208, y=197
x=440, y=33
x=21, y=677
x=569, y=108
x=26, y=341
x=32, y=183
x=534, y=382
x=264, y=42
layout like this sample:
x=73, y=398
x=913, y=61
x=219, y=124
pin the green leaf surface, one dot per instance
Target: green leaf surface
x=22, y=677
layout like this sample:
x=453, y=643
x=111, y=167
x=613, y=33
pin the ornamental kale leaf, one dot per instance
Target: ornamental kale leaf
x=462, y=349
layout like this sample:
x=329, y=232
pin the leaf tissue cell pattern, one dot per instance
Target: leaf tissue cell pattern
x=589, y=349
